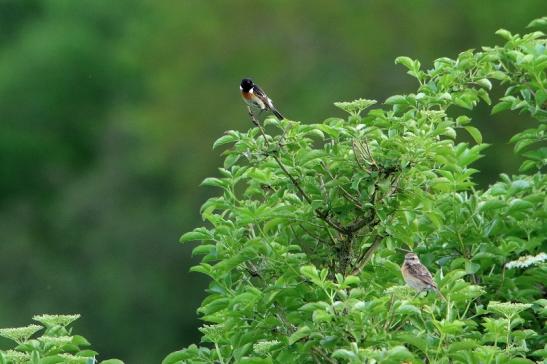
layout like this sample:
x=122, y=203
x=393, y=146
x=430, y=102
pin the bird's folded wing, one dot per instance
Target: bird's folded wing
x=262, y=95
x=420, y=272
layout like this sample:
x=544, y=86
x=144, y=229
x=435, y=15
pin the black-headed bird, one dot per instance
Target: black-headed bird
x=256, y=98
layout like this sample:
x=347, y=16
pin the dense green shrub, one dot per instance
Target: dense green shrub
x=304, y=243
x=56, y=344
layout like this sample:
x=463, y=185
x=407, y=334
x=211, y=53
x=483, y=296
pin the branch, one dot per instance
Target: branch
x=293, y=180
x=346, y=194
x=321, y=214
x=253, y=119
x=344, y=254
x=319, y=351
x=360, y=223
x=367, y=254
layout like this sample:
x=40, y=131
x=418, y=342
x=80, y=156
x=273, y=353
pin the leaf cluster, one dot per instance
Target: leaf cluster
x=55, y=344
x=304, y=241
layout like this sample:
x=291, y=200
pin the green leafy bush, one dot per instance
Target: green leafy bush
x=56, y=344
x=303, y=244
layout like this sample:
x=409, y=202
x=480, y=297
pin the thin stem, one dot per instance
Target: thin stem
x=369, y=153
x=508, y=332
x=253, y=119
x=441, y=339
x=219, y=354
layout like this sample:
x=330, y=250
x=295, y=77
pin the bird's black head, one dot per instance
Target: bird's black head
x=246, y=84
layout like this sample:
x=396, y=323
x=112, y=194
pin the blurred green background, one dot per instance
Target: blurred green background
x=108, y=110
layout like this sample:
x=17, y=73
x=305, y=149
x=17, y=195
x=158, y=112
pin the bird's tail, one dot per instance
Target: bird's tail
x=277, y=113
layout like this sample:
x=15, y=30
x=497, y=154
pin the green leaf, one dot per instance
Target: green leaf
x=518, y=360
x=522, y=144
x=396, y=99
x=255, y=360
x=500, y=106
x=215, y=306
x=466, y=344
x=475, y=134
x=301, y=333
x=399, y=353
x=463, y=120
x=309, y=271
x=491, y=205
x=471, y=268
x=452, y=276
x=213, y=182
x=352, y=280
x=230, y=160
x=463, y=102
x=527, y=165
x=203, y=249
x=79, y=340
x=434, y=218
x=197, y=234
x=542, y=353
x=112, y=361
x=519, y=205
x=87, y=353
x=225, y=139
x=407, y=309
x=504, y=34
x=484, y=82
x=176, y=357
x=415, y=340
x=541, y=97
x=344, y=354
x=407, y=62
x=538, y=23
x=321, y=316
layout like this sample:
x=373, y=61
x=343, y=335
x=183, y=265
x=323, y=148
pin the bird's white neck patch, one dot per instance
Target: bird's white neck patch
x=252, y=90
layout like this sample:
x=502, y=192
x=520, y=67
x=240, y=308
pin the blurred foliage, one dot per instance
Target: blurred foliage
x=304, y=242
x=56, y=344
x=108, y=110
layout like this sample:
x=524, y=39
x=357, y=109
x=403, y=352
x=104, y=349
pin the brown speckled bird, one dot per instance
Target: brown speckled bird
x=417, y=276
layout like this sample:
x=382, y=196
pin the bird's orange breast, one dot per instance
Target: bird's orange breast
x=246, y=95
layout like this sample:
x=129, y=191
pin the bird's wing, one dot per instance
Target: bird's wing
x=262, y=96
x=420, y=271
